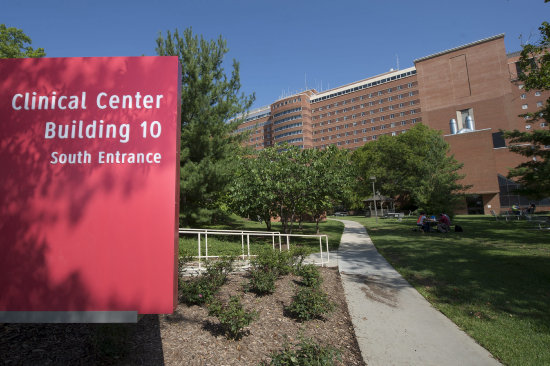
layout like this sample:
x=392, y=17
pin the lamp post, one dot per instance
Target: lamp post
x=373, y=179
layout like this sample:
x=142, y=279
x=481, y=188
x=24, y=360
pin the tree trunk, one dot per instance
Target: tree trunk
x=317, y=219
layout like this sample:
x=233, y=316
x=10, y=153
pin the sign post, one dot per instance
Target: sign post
x=89, y=188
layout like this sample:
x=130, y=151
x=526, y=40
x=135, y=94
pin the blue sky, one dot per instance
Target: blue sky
x=281, y=45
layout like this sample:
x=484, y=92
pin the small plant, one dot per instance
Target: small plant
x=298, y=254
x=262, y=282
x=310, y=275
x=307, y=352
x=233, y=317
x=309, y=303
x=273, y=260
x=197, y=291
x=201, y=289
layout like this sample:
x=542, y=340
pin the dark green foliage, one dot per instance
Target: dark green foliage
x=16, y=44
x=262, y=282
x=290, y=183
x=201, y=289
x=306, y=353
x=534, y=174
x=310, y=275
x=196, y=291
x=233, y=317
x=299, y=254
x=309, y=303
x=414, y=166
x=211, y=104
x=278, y=262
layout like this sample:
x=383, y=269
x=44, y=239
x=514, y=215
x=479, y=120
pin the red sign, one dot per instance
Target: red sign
x=89, y=184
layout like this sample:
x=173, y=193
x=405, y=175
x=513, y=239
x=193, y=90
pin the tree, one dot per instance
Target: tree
x=534, y=175
x=211, y=105
x=290, y=183
x=414, y=167
x=16, y=44
x=328, y=175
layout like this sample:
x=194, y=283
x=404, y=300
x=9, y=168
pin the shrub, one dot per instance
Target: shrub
x=202, y=288
x=233, y=317
x=197, y=291
x=262, y=282
x=309, y=303
x=298, y=254
x=276, y=261
x=310, y=275
x=307, y=352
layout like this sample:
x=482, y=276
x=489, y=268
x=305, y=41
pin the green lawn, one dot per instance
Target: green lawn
x=492, y=280
x=232, y=245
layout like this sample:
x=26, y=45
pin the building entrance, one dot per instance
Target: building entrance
x=474, y=202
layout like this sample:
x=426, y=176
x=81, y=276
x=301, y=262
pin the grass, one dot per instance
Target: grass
x=492, y=280
x=232, y=245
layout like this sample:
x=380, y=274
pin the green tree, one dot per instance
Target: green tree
x=290, y=183
x=252, y=191
x=16, y=44
x=211, y=105
x=414, y=167
x=328, y=176
x=534, y=174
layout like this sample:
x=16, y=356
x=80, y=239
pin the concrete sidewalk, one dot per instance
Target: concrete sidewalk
x=393, y=323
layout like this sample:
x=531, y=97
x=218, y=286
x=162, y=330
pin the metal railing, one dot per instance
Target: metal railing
x=205, y=233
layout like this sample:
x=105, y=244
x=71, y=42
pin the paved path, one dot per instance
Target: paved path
x=393, y=323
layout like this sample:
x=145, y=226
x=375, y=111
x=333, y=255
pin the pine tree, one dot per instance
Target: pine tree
x=534, y=175
x=16, y=44
x=211, y=104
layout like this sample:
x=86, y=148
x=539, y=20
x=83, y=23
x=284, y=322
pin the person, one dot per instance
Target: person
x=532, y=208
x=444, y=224
x=423, y=223
x=515, y=210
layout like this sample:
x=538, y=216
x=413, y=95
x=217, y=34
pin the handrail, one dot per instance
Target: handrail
x=248, y=234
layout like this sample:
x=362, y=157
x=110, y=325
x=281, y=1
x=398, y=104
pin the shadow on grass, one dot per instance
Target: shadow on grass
x=501, y=266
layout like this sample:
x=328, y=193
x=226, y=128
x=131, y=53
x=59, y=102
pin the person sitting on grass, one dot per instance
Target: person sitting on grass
x=444, y=224
x=423, y=223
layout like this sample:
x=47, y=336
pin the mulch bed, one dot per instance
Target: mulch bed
x=189, y=336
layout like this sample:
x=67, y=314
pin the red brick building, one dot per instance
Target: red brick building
x=469, y=93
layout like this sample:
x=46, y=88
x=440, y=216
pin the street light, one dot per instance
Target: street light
x=373, y=179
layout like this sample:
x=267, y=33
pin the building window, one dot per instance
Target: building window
x=380, y=92
x=403, y=123
x=393, y=133
x=520, y=86
x=524, y=106
x=539, y=104
x=392, y=116
x=537, y=94
x=374, y=137
x=543, y=124
x=381, y=118
x=409, y=85
x=527, y=127
x=523, y=96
